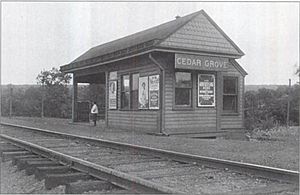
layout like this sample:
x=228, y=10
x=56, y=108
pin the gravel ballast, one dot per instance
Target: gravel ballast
x=281, y=154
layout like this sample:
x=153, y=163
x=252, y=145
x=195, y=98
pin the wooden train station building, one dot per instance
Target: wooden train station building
x=178, y=77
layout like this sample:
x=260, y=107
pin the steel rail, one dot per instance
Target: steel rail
x=248, y=168
x=118, y=178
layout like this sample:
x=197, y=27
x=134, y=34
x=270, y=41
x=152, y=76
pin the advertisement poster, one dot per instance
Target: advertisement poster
x=154, y=92
x=206, y=90
x=112, y=95
x=143, y=93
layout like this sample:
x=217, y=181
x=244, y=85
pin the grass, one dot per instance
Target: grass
x=279, y=133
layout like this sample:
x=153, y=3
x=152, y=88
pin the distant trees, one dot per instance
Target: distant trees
x=266, y=107
x=25, y=100
x=55, y=98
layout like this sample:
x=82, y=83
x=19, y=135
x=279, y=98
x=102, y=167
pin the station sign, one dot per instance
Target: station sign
x=196, y=62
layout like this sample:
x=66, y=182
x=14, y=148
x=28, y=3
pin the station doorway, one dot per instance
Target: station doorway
x=88, y=89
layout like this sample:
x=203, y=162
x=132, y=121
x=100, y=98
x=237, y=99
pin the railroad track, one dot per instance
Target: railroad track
x=135, y=169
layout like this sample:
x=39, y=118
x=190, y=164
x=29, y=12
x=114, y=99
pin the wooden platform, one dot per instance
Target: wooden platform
x=210, y=134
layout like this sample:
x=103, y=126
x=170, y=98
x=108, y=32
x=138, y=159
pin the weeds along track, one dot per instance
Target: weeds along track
x=138, y=169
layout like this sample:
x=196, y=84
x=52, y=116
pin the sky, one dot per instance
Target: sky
x=37, y=36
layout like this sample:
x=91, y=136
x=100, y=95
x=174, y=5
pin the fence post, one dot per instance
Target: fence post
x=288, y=105
x=10, y=100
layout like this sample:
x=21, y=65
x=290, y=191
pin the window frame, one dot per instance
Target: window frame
x=236, y=95
x=124, y=91
x=131, y=91
x=183, y=107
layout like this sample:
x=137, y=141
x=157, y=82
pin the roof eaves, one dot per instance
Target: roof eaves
x=202, y=52
x=72, y=69
x=110, y=56
x=238, y=67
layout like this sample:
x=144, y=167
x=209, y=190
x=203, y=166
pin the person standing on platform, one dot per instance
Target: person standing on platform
x=94, y=112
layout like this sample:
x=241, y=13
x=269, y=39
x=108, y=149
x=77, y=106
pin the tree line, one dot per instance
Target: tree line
x=51, y=97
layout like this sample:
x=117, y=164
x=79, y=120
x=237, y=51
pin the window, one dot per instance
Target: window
x=129, y=91
x=230, y=94
x=134, y=91
x=183, y=89
x=125, y=92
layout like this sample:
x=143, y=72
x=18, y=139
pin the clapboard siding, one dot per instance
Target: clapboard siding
x=232, y=122
x=185, y=121
x=141, y=120
x=199, y=119
x=175, y=121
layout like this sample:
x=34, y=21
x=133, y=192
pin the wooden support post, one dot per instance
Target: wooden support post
x=106, y=98
x=219, y=103
x=162, y=99
x=74, y=99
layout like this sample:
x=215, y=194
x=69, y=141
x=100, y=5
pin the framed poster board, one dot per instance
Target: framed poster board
x=112, y=97
x=154, y=92
x=143, y=93
x=206, y=90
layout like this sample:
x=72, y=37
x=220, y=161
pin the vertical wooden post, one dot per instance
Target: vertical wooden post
x=219, y=103
x=162, y=103
x=288, y=105
x=161, y=107
x=106, y=98
x=74, y=99
x=243, y=103
x=43, y=99
x=10, y=100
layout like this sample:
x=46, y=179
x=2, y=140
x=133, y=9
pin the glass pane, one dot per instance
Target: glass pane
x=125, y=83
x=134, y=99
x=183, y=80
x=125, y=100
x=183, y=96
x=230, y=85
x=135, y=81
x=230, y=103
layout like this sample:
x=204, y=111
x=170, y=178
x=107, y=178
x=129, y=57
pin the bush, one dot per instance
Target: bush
x=276, y=133
x=267, y=108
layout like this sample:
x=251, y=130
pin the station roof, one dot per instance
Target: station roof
x=195, y=32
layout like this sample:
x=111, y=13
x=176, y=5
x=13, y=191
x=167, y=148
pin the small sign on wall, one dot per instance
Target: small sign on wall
x=143, y=93
x=112, y=95
x=154, y=92
x=206, y=90
x=113, y=75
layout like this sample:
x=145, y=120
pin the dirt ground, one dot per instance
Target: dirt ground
x=282, y=153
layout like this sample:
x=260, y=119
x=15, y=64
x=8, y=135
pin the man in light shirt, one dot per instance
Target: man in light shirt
x=94, y=112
